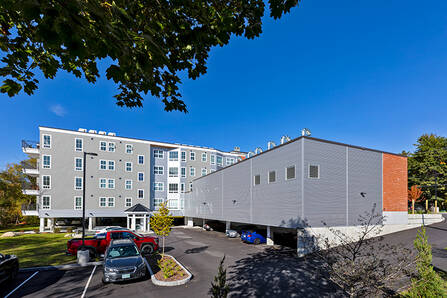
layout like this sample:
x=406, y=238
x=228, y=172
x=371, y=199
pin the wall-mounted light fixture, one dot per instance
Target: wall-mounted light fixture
x=363, y=194
x=234, y=201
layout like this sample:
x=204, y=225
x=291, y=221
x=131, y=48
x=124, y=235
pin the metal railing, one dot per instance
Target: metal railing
x=30, y=207
x=30, y=144
x=28, y=165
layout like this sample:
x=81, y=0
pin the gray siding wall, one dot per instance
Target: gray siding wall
x=334, y=198
x=163, y=162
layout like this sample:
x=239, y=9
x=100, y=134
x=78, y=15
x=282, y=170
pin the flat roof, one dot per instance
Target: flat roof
x=304, y=137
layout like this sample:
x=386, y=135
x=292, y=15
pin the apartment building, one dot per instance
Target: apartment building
x=126, y=179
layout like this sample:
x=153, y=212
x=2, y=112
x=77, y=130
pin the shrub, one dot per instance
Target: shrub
x=70, y=230
x=168, y=266
x=219, y=288
x=57, y=230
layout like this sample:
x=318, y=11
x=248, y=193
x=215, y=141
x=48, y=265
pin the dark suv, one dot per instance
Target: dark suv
x=9, y=267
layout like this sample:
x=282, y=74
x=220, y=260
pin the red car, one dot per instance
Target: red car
x=98, y=244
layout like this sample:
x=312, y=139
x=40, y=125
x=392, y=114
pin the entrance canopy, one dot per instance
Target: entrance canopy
x=138, y=218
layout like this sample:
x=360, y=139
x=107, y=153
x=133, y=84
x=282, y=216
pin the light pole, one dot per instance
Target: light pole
x=83, y=195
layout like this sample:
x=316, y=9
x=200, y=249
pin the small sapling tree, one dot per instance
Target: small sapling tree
x=414, y=195
x=219, y=287
x=161, y=224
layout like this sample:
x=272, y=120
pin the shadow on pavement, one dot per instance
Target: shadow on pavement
x=196, y=250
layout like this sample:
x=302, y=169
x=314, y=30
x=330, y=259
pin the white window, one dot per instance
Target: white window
x=128, y=184
x=257, y=180
x=159, y=186
x=290, y=172
x=103, y=146
x=128, y=202
x=183, y=172
x=173, y=155
x=47, y=141
x=173, y=188
x=140, y=176
x=102, y=183
x=272, y=176
x=173, y=172
x=314, y=171
x=111, y=147
x=158, y=202
x=219, y=160
x=78, y=144
x=78, y=203
x=46, y=181
x=182, y=187
x=141, y=159
x=46, y=161
x=128, y=166
x=78, y=183
x=111, y=165
x=173, y=204
x=111, y=183
x=203, y=171
x=190, y=186
x=110, y=202
x=158, y=170
x=103, y=164
x=46, y=202
x=192, y=171
x=204, y=157
x=192, y=155
x=183, y=153
x=102, y=202
x=141, y=193
x=213, y=159
x=78, y=164
x=129, y=148
x=229, y=161
x=158, y=153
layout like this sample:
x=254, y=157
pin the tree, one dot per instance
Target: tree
x=414, y=195
x=219, y=288
x=428, y=283
x=161, y=224
x=146, y=43
x=427, y=165
x=361, y=263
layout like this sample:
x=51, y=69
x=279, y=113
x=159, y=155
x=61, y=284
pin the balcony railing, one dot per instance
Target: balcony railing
x=31, y=147
x=30, y=209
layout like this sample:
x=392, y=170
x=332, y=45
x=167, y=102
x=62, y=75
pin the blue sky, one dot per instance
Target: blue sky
x=372, y=74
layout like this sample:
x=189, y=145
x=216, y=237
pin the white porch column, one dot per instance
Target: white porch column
x=189, y=222
x=127, y=221
x=227, y=225
x=148, y=222
x=269, y=236
x=144, y=223
x=90, y=223
x=42, y=224
x=133, y=223
x=203, y=222
x=50, y=223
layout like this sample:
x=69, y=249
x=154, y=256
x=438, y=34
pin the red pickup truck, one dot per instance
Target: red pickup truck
x=98, y=244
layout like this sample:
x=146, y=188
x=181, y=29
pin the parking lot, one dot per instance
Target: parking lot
x=252, y=271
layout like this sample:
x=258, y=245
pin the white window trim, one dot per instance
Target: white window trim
x=43, y=165
x=99, y=202
x=82, y=183
x=108, y=167
x=169, y=172
x=82, y=145
x=182, y=185
x=43, y=186
x=125, y=184
x=100, y=183
x=138, y=194
x=213, y=160
x=100, y=164
x=268, y=177
x=162, y=153
x=206, y=156
x=109, y=184
x=285, y=173
x=82, y=164
x=161, y=201
x=201, y=172
x=254, y=179
x=181, y=156
x=138, y=160
x=162, y=170
x=108, y=199
x=43, y=141
x=74, y=203
x=169, y=155
x=131, y=166
x=162, y=186
x=108, y=147
x=49, y=200
x=192, y=153
x=190, y=174
x=138, y=176
x=125, y=202
x=125, y=149
x=308, y=171
x=169, y=190
x=181, y=175
x=100, y=146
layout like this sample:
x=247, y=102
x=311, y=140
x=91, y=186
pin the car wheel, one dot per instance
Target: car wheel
x=103, y=281
x=257, y=241
x=147, y=249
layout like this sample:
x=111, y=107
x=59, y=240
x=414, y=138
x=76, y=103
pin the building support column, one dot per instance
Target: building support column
x=189, y=222
x=90, y=223
x=269, y=236
x=227, y=225
x=42, y=224
x=144, y=223
x=50, y=223
x=133, y=228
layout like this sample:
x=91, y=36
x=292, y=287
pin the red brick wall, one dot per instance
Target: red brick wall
x=395, y=183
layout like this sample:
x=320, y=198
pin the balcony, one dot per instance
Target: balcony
x=31, y=192
x=30, y=169
x=31, y=148
x=31, y=209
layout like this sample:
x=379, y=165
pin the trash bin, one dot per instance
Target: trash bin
x=83, y=257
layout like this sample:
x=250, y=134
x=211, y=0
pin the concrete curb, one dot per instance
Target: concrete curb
x=59, y=267
x=169, y=283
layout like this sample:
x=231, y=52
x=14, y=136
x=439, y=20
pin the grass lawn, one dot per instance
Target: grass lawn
x=37, y=249
x=19, y=228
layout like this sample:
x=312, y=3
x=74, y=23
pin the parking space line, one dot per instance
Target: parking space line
x=21, y=284
x=88, y=282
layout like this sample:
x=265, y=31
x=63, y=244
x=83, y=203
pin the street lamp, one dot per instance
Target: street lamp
x=83, y=195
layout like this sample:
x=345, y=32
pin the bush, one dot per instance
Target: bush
x=70, y=230
x=428, y=283
x=57, y=230
x=168, y=266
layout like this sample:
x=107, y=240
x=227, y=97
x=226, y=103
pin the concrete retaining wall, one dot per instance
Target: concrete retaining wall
x=424, y=219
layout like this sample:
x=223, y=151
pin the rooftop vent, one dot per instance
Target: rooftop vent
x=112, y=134
x=102, y=132
x=237, y=149
x=270, y=145
x=92, y=131
x=285, y=139
x=82, y=130
x=305, y=132
x=258, y=150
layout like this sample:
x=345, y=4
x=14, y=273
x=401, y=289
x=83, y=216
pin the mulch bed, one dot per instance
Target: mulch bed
x=179, y=274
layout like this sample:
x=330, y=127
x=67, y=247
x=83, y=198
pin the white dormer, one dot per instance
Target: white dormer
x=92, y=131
x=82, y=130
x=112, y=134
x=102, y=132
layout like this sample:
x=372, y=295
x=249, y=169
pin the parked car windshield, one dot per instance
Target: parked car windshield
x=122, y=251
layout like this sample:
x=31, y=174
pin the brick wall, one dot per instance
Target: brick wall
x=395, y=183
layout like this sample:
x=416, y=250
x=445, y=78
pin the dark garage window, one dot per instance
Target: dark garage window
x=257, y=179
x=314, y=171
x=290, y=173
x=272, y=176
